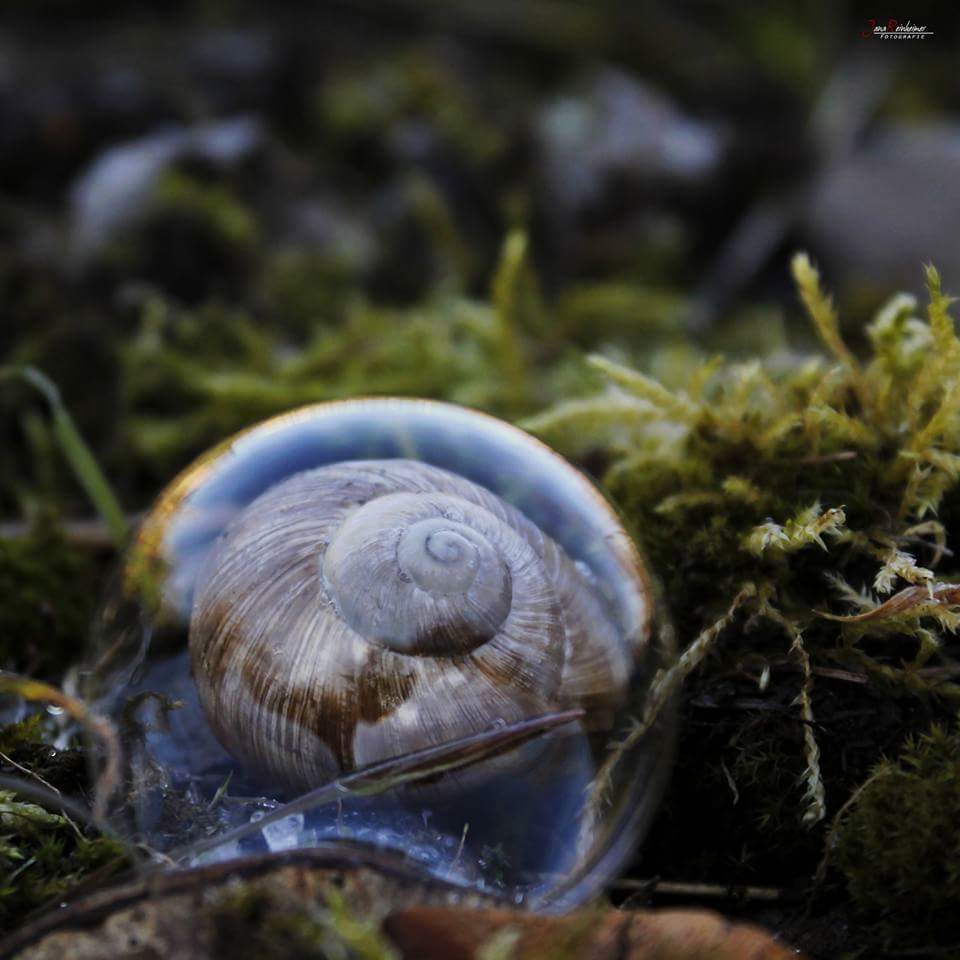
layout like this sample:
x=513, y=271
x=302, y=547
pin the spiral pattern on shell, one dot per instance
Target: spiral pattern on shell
x=362, y=610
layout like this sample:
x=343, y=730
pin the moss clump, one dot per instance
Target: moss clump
x=304, y=291
x=252, y=922
x=47, y=591
x=806, y=502
x=795, y=477
x=43, y=854
x=899, y=847
x=26, y=745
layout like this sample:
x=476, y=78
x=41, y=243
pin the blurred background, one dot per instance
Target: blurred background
x=222, y=210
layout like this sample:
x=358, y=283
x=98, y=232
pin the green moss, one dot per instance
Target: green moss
x=780, y=475
x=798, y=510
x=45, y=853
x=210, y=204
x=899, y=847
x=26, y=745
x=251, y=921
x=47, y=592
x=42, y=856
x=304, y=292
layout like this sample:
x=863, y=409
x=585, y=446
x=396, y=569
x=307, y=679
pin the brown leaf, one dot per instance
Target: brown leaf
x=452, y=933
x=907, y=599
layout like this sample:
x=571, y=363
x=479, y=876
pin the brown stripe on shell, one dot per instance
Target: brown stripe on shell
x=293, y=691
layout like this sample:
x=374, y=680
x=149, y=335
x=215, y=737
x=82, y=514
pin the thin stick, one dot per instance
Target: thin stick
x=460, y=846
x=48, y=786
x=90, y=534
x=831, y=673
x=718, y=891
x=29, y=773
x=390, y=774
x=816, y=459
x=49, y=798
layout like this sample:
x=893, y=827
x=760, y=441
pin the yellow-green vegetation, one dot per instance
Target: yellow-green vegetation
x=48, y=590
x=252, y=922
x=44, y=854
x=803, y=492
x=205, y=373
x=797, y=507
x=899, y=847
x=799, y=510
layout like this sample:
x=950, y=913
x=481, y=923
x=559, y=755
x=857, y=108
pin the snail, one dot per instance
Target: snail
x=366, y=609
x=372, y=584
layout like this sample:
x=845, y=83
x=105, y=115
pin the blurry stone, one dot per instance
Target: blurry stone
x=620, y=128
x=616, y=162
x=111, y=194
x=878, y=216
x=322, y=224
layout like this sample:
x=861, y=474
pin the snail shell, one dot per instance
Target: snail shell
x=364, y=609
